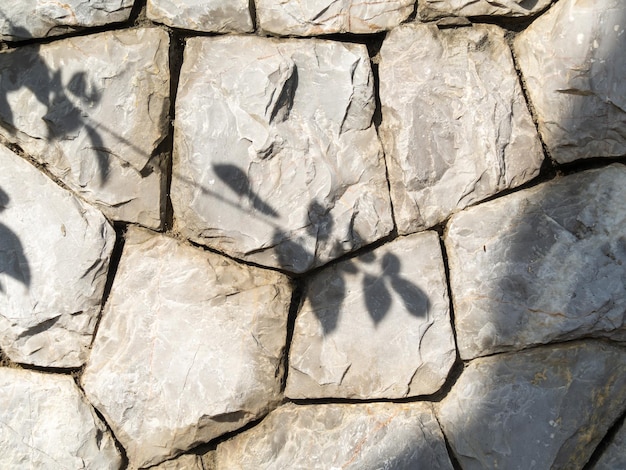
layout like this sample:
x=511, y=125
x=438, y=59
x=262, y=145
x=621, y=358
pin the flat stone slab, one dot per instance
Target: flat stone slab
x=54, y=259
x=315, y=17
x=46, y=423
x=190, y=347
x=541, y=265
x=93, y=109
x=28, y=19
x=573, y=64
x=455, y=125
x=215, y=16
x=303, y=180
x=376, y=326
x=433, y=9
x=357, y=437
x=614, y=456
x=544, y=408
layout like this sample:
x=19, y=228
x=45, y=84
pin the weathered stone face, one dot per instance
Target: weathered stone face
x=27, y=19
x=573, y=64
x=544, y=264
x=615, y=455
x=45, y=423
x=54, y=258
x=543, y=408
x=431, y=9
x=217, y=16
x=184, y=462
x=376, y=326
x=350, y=437
x=189, y=347
x=315, y=17
x=276, y=159
x=93, y=109
x=455, y=127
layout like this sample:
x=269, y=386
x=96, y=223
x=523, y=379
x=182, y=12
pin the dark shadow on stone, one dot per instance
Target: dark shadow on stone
x=414, y=298
x=13, y=261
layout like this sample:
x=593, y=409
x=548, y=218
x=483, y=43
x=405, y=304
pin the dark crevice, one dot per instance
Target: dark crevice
x=297, y=298
x=451, y=455
x=253, y=16
x=606, y=442
x=138, y=12
x=118, y=445
x=589, y=164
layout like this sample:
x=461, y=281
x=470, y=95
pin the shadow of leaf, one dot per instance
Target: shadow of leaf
x=377, y=297
x=13, y=261
x=237, y=180
x=414, y=299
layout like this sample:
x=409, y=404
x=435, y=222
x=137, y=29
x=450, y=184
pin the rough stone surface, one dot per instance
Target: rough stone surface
x=364, y=437
x=432, y=9
x=544, y=264
x=184, y=462
x=54, y=258
x=614, y=456
x=93, y=108
x=303, y=181
x=543, y=408
x=45, y=423
x=573, y=64
x=189, y=347
x=218, y=16
x=455, y=126
x=315, y=17
x=377, y=326
x=27, y=19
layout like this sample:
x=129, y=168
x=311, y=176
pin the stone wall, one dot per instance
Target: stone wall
x=313, y=235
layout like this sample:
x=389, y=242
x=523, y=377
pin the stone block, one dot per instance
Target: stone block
x=376, y=326
x=214, y=16
x=456, y=128
x=54, y=259
x=93, y=109
x=190, y=347
x=433, y=9
x=276, y=158
x=540, y=265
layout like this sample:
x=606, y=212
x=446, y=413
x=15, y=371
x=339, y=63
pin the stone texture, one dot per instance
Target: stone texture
x=376, y=326
x=303, y=180
x=614, y=456
x=573, y=64
x=46, y=423
x=93, y=109
x=190, y=347
x=217, y=16
x=54, y=258
x=432, y=9
x=541, y=265
x=455, y=126
x=27, y=19
x=184, y=462
x=364, y=437
x=315, y=17
x=543, y=408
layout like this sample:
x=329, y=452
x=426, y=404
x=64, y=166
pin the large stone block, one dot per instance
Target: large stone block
x=190, y=347
x=455, y=126
x=46, y=423
x=311, y=18
x=217, y=16
x=572, y=60
x=276, y=159
x=54, y=258
x=544, y=264
x=93, y=109
x=376, y=326
x=27, y=19
x=351, y=437
x=544, y=408
x=432, y=9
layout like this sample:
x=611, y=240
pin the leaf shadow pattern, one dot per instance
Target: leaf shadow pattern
x=13, y=260
x=377, y=289
x=25, y=67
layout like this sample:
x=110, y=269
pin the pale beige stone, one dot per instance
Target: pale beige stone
x=432, y=9
x=190, y=347
x=215, y=16
x=456, y=128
